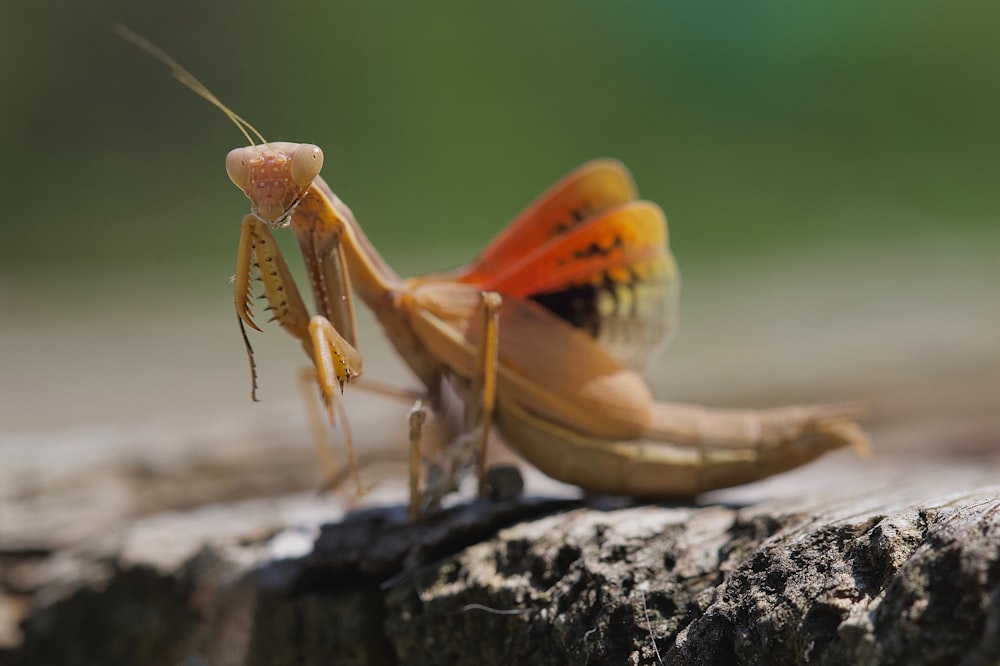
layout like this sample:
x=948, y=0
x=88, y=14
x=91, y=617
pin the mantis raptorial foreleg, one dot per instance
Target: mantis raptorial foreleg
x=335, y=360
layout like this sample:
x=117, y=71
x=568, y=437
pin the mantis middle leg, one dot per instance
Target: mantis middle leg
x=478, y=422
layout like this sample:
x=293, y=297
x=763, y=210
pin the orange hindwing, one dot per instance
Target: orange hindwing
x=593, y=256
x=589, y=190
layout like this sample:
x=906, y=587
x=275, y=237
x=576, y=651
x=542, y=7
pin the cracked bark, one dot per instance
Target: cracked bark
x=870, y=574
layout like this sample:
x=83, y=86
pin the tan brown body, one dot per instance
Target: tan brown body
x=544, y=333
x=562, y=401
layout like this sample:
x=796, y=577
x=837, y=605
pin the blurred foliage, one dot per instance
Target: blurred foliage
x=768, y=124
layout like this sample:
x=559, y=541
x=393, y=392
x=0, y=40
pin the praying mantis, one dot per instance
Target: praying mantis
x=543, y=336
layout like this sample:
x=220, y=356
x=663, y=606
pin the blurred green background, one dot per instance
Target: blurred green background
x=847, y=150
x=771, y=124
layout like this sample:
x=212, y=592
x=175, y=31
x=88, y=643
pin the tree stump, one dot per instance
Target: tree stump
x=845, y=561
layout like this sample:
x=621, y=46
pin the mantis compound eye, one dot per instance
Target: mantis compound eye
x=306, y=164
x=238, y=167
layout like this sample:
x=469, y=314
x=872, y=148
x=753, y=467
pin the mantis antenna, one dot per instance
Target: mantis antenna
x=189, y=81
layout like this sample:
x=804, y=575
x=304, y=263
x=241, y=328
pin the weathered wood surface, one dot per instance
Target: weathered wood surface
x=199, y=546
x=847, y=562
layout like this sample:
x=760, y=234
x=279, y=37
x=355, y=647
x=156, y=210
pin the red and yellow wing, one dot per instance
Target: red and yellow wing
x=592, y=255
x=612, y=277
x=589, y=190
x=620, y=245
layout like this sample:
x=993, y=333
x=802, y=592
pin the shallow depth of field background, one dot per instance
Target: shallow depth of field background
x=830, y=172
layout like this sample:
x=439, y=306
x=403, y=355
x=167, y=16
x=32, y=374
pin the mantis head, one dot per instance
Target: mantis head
x=274, y=176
